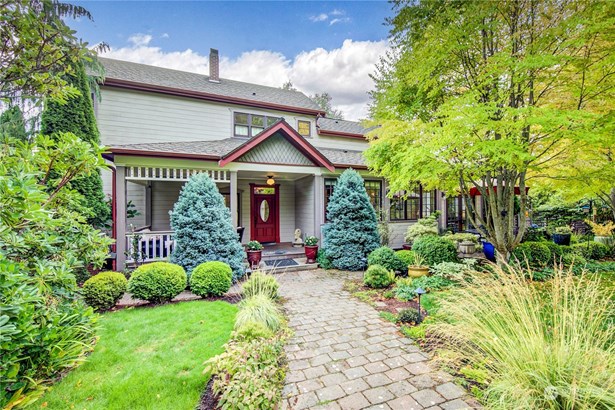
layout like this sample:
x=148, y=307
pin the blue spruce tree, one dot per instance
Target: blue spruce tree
x=352, y=231
x=203, y=228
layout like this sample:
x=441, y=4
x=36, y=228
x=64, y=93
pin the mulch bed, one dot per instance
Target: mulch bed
x=392, y=305
x=208, y=400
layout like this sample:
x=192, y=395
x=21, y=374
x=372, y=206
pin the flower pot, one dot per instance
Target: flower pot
x=254, y=258
x=561, y=238
x=407, y=246
x=489, y=251
x=417, y=271
x=467, y=247
x=605, y=240
x=310, y=253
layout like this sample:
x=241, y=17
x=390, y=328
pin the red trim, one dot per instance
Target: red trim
x=112, y=82
x=113, y=217
x=291, y=135
x=475, y=191
x=276, y=199
x=341, y=134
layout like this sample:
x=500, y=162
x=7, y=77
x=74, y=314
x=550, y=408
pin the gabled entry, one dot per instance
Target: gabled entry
x=265, y=213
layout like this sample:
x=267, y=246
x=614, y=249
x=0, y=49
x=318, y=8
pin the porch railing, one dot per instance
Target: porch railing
x=149, y=246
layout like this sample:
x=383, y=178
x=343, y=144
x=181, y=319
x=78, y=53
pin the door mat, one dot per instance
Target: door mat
x=281, y=263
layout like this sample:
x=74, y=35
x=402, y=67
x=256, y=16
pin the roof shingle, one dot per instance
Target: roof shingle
x=344, y=126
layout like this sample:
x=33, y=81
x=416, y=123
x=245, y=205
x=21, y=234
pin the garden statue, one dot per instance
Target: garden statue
x=298, y=242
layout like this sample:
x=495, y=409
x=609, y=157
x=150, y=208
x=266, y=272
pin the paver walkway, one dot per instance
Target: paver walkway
x=344, y=356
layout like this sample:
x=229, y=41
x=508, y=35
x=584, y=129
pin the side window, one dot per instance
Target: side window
x=304, y=128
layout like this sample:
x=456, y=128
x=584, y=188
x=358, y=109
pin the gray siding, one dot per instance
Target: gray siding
x=136, y=193
x=304, y=205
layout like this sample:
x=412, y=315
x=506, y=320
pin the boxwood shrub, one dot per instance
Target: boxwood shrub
x=211, y=279
x=102, y=291
x=435, y=250
x=386, y=257
x=407, y=258
x=157, y=282
x=535, y=254
x=591, y=250
x=378, y=277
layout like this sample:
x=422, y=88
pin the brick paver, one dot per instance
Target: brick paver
x=344, y=356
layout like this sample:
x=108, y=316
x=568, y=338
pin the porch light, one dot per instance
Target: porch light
x=270, y=180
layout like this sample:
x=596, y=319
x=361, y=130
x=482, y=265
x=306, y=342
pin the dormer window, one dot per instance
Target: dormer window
x=249, y=125
x=304, y=128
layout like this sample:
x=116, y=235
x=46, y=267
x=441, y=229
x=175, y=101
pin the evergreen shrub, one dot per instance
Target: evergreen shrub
x=102, y=291
x=211, y=279
x=591, y=250
x=260, y=284
x=157, y=282
x=435, y=250
x=410, y=315
x=557, y=251
x=385, y=256
x=352, y=231
x=535, y=254
x=378, y=277
x=423, y=227
x=407, y=258
x=203, y=228
x=322, y=260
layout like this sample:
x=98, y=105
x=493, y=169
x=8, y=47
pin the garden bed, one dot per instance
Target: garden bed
x=381, y=299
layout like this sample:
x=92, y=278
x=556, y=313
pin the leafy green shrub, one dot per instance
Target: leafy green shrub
x=562, y=335
x=534, y=234
x=405, y=291
x=415, y=332
x=102, y=291
x=386, y=257
x=253, y=330
x=591, y=250
x=259, y=309
x=352, y=231
x=249, y=374
x=573, y=259
x=461, y=237
x=322, y=260
x=423, y=227
x=432, y=283
x=260, y=284
x=410, y=315
x=534, y=254
x=203, y=228
x=557, y=251
x=406, y=257
x=211, y=279
x=456, y=272
x=157, y=282
x=435, y=250
x=378, y=277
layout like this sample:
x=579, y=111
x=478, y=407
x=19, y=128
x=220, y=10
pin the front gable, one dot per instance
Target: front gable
x=276, y=150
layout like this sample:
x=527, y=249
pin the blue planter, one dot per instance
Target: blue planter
x=489, y=251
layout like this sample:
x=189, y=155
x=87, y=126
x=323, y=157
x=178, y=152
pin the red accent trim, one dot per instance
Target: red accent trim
x=291, y=135
x=475, y=192
x=276, y=199
x=341, y=134
x=114, y=216
x=112, y=82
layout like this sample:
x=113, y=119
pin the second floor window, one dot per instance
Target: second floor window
x=249, y=125
x=303, y=127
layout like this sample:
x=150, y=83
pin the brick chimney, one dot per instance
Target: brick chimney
x=214, y=66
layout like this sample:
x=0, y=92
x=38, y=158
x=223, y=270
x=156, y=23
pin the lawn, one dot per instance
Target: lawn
x=147, y=358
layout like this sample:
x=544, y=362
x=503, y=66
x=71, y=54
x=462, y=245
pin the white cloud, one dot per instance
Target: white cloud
x=140, y=39
x=165, y=35
x=320, y=17
x=338, y=12
x=342, y=72
x=339, y=20
x=337, y=17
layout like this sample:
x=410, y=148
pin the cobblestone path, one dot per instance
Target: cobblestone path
x=344, y=356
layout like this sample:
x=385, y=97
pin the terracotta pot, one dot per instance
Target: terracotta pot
x=407, y=246
x=254, y=258
x=605, y=240
x=417, y=271
x=310, y=253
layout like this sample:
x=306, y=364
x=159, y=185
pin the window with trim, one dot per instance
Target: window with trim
x=249, y=125
x=304, y=128
x=456, y=219
x=412, y=205
x=373, y=189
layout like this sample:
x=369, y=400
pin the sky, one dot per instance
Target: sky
x=320, y=46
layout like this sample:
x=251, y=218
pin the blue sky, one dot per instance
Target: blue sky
x=320, y=46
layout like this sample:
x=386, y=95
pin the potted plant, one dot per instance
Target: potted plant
x=489, y=251
x=418, y=268
x=603, y=232
x=311, y=249
x=562, y=235
x=254, y=250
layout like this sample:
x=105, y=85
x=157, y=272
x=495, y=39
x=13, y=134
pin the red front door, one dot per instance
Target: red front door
x=264, y=213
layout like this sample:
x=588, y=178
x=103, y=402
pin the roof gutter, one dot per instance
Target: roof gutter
x=341, y=134
x=159, y=154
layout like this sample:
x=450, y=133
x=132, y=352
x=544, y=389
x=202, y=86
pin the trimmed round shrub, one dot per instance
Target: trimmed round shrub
x=410, y=315
x=573, y=259
x=260, y=284
x=385, y=256
x=557, y=251
x=254, y=330
x=378, y=277
x=259, y=309
x=534, y=254
x=435, y=250
x=157, y=282
x=102, y=291
x=211, y=279
x=406, y=257
x=591, y=250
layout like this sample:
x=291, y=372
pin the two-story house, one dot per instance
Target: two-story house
x=272, y=153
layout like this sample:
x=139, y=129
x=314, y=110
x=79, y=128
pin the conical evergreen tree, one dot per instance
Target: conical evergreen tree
x=77, y=116
x=12, y=124
x=352, y=231
x=203, y=228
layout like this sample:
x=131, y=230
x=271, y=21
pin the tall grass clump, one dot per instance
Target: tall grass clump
x=260, y=283
x=547, y=346
x=260, y=309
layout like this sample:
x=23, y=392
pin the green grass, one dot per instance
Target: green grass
x=147, y=358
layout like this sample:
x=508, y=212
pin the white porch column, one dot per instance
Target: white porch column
x=120, y=217
x=319, y=205
x=233, y=198
x=441, y=199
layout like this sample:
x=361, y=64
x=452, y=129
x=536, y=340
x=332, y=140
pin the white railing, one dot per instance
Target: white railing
x=173, y=174
x=149, y=246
